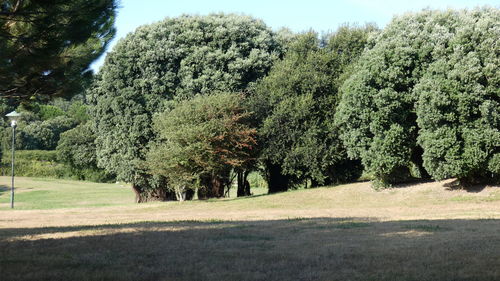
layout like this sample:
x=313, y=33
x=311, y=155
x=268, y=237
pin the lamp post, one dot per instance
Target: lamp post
x=13, y=117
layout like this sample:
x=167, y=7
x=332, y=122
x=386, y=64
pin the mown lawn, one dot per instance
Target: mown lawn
x=45, y=193
x=87, y=231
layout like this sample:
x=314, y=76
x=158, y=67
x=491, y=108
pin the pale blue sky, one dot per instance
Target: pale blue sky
x=319, y=15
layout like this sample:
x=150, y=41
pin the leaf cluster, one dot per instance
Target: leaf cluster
x=46, y=46
x=204, y=136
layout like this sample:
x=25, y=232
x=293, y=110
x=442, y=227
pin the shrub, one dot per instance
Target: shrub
x=33, y=163
x=44, y=164
x=78, y=111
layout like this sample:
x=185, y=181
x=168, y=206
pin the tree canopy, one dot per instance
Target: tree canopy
x=37, y=134
x=173, y=59
x=194, y=101
x=297, y=102
x=425, y=95
x=200, y=141
x=458, y=105
x=46, y=47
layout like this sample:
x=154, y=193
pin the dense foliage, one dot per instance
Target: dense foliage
x=200, y=141
x=46, y=47
x=458, y=105
x=297, y=102
x=196, y=101
x=76, y=149
x=37, y=134
x=440, y=68
x=178, y=57
x=41, y=128
x=34, y=163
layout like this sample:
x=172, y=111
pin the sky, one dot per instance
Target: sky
x=319, y=15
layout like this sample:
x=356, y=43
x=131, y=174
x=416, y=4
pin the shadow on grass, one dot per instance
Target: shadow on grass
x=293, y=249
x=412, y=182
x=246, y=197
x=4, y=189
x=469, y=187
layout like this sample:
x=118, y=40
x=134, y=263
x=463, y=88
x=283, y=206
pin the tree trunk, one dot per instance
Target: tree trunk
x=183, y=193
x=179, y=193
x=217, y=188
x=247, y=188
x=212, y=187
x=243, y=184
x=143, y=192
x=276, y=181
x=139, y=198
x=314, y=183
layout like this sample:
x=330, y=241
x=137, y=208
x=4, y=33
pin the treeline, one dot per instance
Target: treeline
x=188, y=103
x=195, y=103
x=50, y=141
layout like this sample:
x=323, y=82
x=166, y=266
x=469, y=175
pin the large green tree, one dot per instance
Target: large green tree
x=46, y=47
x=411, y=73
x=296, y=103
x=175, y=58
x=458, y=107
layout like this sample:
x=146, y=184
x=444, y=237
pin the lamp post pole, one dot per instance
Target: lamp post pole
x=13, y=116
x=14, y=125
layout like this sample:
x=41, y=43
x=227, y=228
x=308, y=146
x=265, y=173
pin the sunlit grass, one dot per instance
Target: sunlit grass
x=43, y=193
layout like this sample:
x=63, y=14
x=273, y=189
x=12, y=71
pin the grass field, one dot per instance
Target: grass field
x=66, y=230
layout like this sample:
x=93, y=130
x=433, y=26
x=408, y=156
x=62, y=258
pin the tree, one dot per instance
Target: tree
x=378, y=112
x=200, y=141
x=296, y=103
x=46, y=47
x=458, y=107
x=78, y=111
x=175, y=58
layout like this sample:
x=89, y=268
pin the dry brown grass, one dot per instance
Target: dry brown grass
x=349, y=232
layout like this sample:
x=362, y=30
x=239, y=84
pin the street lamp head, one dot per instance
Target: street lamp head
x=13, y=117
